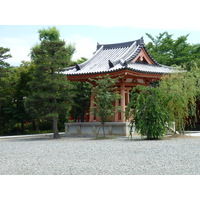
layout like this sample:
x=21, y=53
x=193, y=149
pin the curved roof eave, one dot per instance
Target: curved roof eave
x=115, y=70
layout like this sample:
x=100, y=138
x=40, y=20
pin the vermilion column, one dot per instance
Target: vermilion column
x=128, y=97
x=92, y=106
x=117, y=113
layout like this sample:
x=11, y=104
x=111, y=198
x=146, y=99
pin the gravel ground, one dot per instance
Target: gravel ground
x=86, y=156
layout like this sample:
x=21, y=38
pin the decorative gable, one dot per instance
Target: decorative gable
x=143, y=58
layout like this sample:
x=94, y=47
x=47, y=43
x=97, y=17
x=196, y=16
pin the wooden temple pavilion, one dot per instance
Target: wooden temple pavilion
x=129, y=60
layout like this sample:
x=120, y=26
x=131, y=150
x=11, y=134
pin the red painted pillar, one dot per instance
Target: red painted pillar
x=117, y=113
x=87, y=115
x=91, y=107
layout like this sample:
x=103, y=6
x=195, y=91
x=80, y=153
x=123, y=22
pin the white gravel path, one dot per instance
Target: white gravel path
x=85, y=156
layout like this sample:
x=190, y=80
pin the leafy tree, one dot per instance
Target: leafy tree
x=82, y=91
x=153, y=110
x=4, y=88
x=181, y=90
x=21, y=92
x=147, y=109
x=193, y=68
x=106, y=95
x=192, y=65
x=4, y=54
x=13, y=114
x=81, y=101
x=50, y=91
x=6, y=122
x=168, y=51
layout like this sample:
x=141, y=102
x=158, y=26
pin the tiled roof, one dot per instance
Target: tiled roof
x=116, y=57
x=142, y=68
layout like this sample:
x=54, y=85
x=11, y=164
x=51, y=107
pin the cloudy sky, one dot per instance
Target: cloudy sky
x=84, y=23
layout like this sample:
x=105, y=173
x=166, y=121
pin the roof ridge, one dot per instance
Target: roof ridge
x=132, y=54
x=118, y=45
x=126, y=53
x=147, y=64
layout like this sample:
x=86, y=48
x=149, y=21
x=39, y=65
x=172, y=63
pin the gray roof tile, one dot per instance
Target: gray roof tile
x=115, y=57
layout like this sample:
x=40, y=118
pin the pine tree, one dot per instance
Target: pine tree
x=50, y=91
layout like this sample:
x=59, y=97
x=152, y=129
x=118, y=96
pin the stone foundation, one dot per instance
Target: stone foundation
x=92, y=128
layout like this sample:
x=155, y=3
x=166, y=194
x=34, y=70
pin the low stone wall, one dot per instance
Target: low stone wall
x=92, y=128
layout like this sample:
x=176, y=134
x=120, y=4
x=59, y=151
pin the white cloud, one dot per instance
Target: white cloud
x=19, y=49
x=85, y=46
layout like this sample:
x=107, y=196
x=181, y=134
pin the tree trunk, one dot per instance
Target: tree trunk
x=22, y=126
x=55, y=128
x=82, y=115
x=33, y=125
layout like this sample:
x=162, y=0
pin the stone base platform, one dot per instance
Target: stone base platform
x=92, y=128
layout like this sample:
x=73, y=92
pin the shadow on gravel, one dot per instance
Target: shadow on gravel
x=173, y=137
x=142, y=140
x=46, y=138
x=30, y=139
x=93, y=138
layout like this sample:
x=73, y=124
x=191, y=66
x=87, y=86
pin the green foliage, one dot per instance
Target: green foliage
x=181, y=90
x=192, y=65
x=4, y=54
x=50, y=34
x=16, y=91
x=50, y=90
x=148, y=111
x=5, y=91
x=21, y=90
x=165, y=50
x=153, y=110
x=81, y=100
x=105, y=97
x=174, y=98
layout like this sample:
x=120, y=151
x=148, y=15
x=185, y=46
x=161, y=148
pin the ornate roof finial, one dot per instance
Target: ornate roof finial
x=142, y=40
x=98, y=46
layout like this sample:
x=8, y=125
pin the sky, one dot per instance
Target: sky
x=20, y=38
x=84, y=23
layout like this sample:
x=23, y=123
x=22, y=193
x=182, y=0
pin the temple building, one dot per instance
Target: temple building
x=129, y=60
